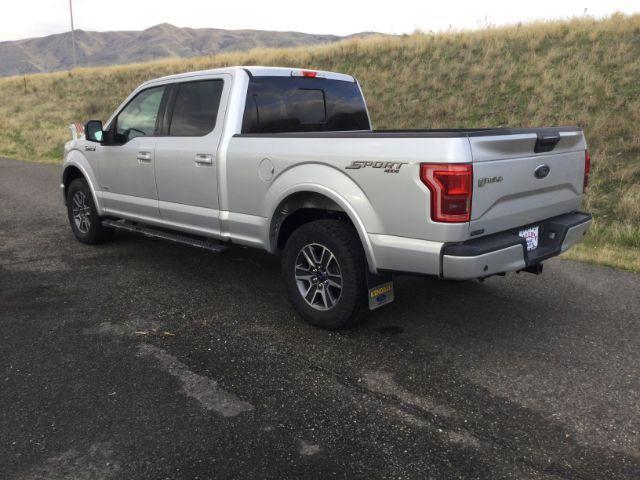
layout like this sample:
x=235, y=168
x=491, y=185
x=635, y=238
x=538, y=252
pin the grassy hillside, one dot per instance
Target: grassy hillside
x=583, y=72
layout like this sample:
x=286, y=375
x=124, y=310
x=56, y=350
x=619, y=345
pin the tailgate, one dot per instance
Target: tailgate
x=521, y=178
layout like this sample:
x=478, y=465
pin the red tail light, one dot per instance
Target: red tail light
x=451, y=187
x=587, y=170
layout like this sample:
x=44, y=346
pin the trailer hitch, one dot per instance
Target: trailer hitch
x=536, y=269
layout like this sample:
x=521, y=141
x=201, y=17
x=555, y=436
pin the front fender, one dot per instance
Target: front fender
x=75, y=158
x=333, y=184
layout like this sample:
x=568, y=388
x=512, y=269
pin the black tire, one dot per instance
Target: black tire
x=83, y=216
x=340, y=239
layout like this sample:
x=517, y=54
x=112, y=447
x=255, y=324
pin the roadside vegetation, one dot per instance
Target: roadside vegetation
x=582, y=71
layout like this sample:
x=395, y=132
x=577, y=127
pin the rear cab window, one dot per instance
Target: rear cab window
x=298, y=104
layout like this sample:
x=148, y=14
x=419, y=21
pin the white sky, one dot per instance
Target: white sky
x=31, y=18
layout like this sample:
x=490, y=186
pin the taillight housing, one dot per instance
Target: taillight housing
x=451, y=187
x=587, y=170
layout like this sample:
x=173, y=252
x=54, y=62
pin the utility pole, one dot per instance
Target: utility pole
x=73, y=34
x=24, y=78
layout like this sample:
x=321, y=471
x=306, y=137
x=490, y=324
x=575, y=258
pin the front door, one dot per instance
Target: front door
x=126, y=162
x=186, y=155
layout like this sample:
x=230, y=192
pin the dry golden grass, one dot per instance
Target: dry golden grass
x=581, y=71
x=609, y=255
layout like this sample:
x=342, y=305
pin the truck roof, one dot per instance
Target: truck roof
x=258, y=71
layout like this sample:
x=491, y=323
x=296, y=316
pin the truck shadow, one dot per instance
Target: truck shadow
x=422, y=302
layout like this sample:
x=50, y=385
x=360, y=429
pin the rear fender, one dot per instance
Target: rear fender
x=332, y=184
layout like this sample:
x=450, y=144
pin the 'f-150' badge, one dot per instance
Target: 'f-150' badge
x=486, y=180
x=389, y=167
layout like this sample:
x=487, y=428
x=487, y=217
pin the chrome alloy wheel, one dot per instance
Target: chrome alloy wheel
x=318, y=276
x=81, y=212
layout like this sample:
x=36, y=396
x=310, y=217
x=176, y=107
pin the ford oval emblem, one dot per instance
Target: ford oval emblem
x=541, y=171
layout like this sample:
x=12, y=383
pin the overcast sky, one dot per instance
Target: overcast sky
x=31, y=18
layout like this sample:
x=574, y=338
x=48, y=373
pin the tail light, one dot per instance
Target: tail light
x=587, y=170
x=451, y=187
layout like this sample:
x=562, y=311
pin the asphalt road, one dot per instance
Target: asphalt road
x=143, y=359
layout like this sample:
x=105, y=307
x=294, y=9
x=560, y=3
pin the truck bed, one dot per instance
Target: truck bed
x=400, y=200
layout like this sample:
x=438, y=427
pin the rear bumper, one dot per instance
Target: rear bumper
x=507, y=252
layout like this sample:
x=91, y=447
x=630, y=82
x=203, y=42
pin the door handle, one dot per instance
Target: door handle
x=144, y=157
x=204, y=159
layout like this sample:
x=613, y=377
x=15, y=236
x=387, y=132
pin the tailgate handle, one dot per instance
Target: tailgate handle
x=546, y=143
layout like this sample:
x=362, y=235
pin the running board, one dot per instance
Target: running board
x=205, y=243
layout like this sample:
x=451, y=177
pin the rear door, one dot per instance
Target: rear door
x=186, y=155
x=522, y=178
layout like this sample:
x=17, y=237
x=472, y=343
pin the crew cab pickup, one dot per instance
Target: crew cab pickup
x=286, y=160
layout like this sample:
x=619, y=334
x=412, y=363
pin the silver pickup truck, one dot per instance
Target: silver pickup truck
x=286, y=160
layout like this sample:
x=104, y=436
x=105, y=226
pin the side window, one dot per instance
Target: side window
x=195, y=108
x=138, y=118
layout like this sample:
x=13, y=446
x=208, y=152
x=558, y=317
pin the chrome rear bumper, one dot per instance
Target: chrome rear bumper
x=507, y=252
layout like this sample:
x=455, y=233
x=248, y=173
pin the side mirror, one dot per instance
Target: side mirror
x=93, y=131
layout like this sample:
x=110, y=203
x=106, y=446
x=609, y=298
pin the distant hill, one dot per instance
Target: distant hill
x=53, y=52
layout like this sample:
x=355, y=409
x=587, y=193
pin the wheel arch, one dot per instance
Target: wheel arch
x=74, y=167
x=338, y=196
x=299, y=208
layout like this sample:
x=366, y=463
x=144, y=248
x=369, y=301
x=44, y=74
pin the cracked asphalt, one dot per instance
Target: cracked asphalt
x=140, y=359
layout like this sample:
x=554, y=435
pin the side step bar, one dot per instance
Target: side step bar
x=204, y=243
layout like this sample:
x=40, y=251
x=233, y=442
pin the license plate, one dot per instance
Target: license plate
x=531, y=236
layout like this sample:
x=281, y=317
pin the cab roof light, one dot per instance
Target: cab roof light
x=304, y=73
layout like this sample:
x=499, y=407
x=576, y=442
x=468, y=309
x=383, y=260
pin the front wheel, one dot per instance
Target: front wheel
x=83, y=215
x=323, y=266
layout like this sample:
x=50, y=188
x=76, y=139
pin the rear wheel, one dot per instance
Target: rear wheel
x=323, y=266
x=83, y=215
